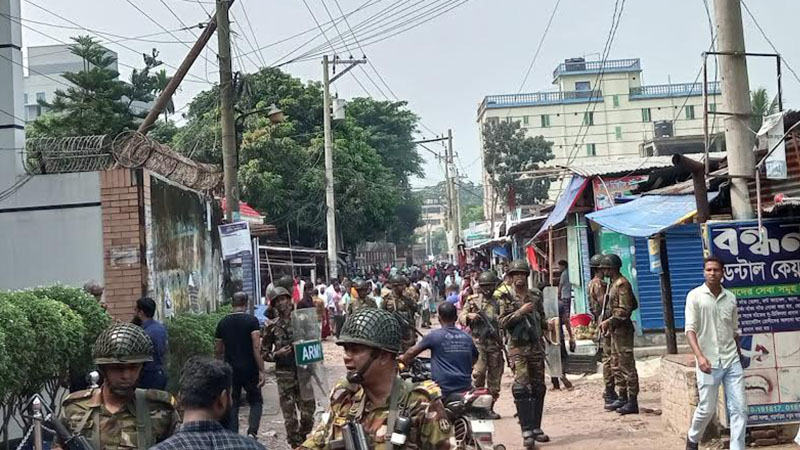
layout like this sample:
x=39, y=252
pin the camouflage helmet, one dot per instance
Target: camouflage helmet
x=122, y=343
x=519, y=266
x=488, y=278
x=372, y=327
x=278, y=291
x=595, y=260
x=610, y=261
x=398, y=279
x=286, y=282
x=361, y=284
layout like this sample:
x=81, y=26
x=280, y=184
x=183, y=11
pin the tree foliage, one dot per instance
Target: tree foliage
x=281, y=168
x=97, y=102
x=507, y=151
x=190, y=335
x=761, y=106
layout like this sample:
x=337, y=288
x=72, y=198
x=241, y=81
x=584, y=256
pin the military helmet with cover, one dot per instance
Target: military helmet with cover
x=519, y=266
x=122, y=343
x=361, y=284
x=610, y=261
x=398, y=280
x=595, y=260
x=488, y=278
x=372, y=327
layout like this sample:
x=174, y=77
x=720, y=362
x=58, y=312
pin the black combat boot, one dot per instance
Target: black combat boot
x=609, y=397
x=538, y=411
x=691, y=445
x=631, y=407
x=523, y=400
x=622, y=399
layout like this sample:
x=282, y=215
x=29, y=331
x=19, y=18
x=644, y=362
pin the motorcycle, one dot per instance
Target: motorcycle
x=468, y=412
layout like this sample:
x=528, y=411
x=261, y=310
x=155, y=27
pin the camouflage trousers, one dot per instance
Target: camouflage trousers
x=609, y=363
x=625, y=376
x=409, y=340
x=488, y=370
x=529, y=366
x=291, y=402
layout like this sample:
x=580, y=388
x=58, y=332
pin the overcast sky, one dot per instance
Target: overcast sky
x=444, y=67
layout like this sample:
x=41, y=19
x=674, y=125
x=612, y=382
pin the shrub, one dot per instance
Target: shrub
x=17, y=341
x=95, y=319
x=189, y=335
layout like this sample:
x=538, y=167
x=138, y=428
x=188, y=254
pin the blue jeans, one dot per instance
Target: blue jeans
x=732, y=378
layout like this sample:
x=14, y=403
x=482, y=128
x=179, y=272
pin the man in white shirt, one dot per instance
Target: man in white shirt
x=712, y=324
x=425, y=302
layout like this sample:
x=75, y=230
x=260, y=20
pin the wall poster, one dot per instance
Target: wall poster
x=763, y=270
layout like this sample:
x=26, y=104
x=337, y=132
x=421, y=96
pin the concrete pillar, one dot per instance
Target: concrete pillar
x=12, y=108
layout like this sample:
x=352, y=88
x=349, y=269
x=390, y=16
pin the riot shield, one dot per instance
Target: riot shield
x=552, y=346
x=307, y=332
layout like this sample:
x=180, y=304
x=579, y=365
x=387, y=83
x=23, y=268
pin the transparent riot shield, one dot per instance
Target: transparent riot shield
x=307, y=332
x=552, y=345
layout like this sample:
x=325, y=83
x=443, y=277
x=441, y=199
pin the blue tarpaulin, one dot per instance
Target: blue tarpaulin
x=564, y=203
x=647, y=215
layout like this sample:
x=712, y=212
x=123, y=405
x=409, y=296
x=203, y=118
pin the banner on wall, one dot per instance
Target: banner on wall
x=762, y=268
x=607, y=190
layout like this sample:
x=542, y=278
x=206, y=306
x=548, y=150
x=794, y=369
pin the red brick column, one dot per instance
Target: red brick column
x=122, y=241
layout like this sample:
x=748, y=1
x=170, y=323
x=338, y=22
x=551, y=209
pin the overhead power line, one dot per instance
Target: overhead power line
x=539, y=47
x=766, y=38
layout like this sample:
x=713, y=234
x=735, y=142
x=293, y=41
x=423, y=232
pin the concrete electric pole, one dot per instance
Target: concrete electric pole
x=12, y=108
x=736, y=104
x=230, y=162
x=333, y=268
x=455, y=219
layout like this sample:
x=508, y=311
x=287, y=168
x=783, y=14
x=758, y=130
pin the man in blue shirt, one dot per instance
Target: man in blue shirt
x=452, y=353
x=153, y=374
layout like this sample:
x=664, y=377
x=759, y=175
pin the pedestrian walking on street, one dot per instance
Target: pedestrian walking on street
x=117, y=415
x=374, y=399
x=711, y=327
x=621, y=303
x=564, y=308
x=277, y=346
x=479, y=308
x=522, y=316
x=597, y=304
x=238, y=342
x=153, y=374
x=205, y=395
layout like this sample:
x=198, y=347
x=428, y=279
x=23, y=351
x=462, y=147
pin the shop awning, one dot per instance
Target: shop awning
x=565, y=202
x=648, y=215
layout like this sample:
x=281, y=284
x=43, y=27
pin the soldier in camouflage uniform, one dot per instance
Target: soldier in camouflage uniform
x=374, y=396
x=490, y=365
x=277, y=346
x=621, y=304
x=398, y=302
x=364, y=300
x=117, y=415
x=597, y=296
x=522, y=316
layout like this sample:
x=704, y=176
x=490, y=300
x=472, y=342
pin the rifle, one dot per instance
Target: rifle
x=68, y=440
x=602, y=314
x=406, y=323
x=354, y=436
x=495, y=334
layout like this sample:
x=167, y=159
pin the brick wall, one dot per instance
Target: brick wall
x=122, y=241
x=679, y=396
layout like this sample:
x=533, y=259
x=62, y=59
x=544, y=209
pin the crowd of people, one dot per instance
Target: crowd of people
x=487, y=321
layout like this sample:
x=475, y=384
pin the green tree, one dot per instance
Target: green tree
x=471, y=214
x=761, y=106
x=508, y=151
x=97, y=102
x=439, y=243
x=282, y=168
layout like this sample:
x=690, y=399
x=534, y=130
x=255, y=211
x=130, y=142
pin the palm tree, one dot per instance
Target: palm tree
x=161, y=83
x=762, y=106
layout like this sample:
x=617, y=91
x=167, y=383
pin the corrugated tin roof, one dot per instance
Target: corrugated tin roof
x=594, y=167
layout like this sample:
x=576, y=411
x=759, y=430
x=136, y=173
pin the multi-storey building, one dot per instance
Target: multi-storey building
x=600, y=110
x=46, y=64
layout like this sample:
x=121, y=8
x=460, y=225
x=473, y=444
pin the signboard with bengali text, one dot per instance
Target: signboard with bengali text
x=762, y=268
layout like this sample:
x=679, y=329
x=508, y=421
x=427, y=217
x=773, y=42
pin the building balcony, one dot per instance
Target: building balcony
x=578, y=66
x=539, y=99
x=673, y=90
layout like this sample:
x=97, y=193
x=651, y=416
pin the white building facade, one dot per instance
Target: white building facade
x=600, y=111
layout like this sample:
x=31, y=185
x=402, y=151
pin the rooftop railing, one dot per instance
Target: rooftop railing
x=614, y=65
x=539, y=99
x=673, y=90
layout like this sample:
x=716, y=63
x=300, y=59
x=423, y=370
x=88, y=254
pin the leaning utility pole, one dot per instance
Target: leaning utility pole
x=452, y=200
x=736, y=104
x=230, y=162
x=333, y=268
